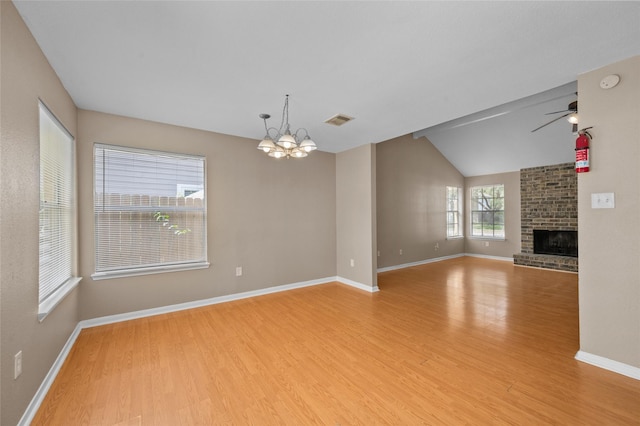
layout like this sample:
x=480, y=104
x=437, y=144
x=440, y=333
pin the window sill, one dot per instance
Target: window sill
x=488, y=238
x=123, y=273
x=49, y=304
x=457, y=237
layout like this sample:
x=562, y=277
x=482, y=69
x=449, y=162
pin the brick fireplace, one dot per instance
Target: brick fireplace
x=548, y=202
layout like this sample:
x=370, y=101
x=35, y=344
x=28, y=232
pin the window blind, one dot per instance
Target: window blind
x=56, y=216
x=150, y=209
x=454, y=212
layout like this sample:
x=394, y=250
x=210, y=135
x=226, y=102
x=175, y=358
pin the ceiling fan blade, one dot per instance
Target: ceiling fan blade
x=572, y=107
x=552, y=121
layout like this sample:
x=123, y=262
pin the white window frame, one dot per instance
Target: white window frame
x=483, y=208
x=454, y=211
x=57, y=236
x=148, y=265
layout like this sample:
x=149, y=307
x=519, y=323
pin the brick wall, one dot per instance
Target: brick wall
x=548, y=200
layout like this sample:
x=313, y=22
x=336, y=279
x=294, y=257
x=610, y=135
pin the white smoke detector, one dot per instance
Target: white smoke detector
x=610, y=81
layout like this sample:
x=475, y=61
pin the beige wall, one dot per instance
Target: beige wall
x=356, y=215
x=412, y=176
x=512, y=242
x=25, y=77
x=609, y=239
x=274, y=218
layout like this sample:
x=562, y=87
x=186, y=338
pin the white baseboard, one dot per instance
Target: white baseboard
x=34, y=405
x=358, y=285
x=110, y=319
x=486, y=256
x=37, y=399
x=420, y=262
x=439, y=259
x=609, y=364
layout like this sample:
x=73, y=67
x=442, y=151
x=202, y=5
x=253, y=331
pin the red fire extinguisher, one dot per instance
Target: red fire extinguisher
x=582, y=151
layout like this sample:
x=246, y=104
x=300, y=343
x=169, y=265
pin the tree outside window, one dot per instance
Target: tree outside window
x=487, y=211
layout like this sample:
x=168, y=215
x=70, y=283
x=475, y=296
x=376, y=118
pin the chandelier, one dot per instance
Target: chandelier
x=279, y=143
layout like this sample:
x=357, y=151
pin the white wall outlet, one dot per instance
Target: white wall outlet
x=378, y=253
x=238, y=271
x=486, y=243
x=436, y=247
x=17, y=365
x=605, y=200
x=352, y=263
x=400, y=252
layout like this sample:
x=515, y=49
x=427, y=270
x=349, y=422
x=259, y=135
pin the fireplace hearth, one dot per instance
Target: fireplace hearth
x=557, y=243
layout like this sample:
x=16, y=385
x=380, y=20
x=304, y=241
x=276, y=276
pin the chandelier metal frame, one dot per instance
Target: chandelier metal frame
x=281, y=143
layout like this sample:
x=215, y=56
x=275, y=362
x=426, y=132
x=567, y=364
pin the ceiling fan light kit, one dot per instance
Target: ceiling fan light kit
x=280, y=142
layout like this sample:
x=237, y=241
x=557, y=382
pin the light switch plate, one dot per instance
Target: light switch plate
x=604, y=200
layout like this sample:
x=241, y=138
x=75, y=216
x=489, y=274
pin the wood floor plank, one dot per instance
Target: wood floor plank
x=463, y=341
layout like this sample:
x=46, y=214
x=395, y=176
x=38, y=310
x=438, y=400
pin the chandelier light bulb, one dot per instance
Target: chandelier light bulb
x=298, y=153
x=307, y=144
x=277, y=152
x=287, y=141
x=266, y=144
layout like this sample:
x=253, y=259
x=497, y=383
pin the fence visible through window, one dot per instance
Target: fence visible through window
x=150, y=209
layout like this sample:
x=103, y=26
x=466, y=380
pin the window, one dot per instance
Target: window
x=150, y=211
x=487, y=211
x=454, y=212
x=56, y=235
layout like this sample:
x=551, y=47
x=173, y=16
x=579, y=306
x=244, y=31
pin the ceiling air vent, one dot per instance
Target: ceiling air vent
x=338, y=119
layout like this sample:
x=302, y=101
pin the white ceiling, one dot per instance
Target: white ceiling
x=397, y=67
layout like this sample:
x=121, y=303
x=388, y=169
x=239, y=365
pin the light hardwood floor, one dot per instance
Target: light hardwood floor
x=463, y=341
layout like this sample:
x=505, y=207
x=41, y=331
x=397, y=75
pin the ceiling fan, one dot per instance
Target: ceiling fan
x=572, y=117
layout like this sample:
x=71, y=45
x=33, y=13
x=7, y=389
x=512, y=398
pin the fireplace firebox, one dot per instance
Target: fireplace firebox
x=558, y=243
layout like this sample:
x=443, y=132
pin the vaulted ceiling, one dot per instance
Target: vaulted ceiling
x=397, y=67
x=509, y=137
